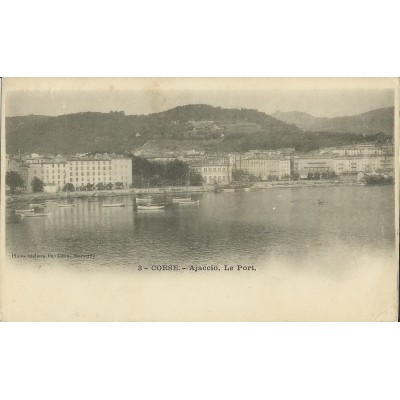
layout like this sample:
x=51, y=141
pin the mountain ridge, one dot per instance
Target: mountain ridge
x=370, y=122
x=212, y=128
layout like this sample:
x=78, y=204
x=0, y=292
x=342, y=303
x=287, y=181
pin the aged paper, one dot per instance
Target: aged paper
x=199, y=199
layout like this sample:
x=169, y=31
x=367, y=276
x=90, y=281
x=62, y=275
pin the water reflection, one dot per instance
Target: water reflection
x=229, y=227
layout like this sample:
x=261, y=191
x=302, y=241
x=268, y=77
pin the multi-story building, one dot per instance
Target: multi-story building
x=264, y=167
x=121, y=170
x=214, y=170
x=375, y=163
x=103, y=169
x=53, y=172
x=79, y=171
x=303, y=165
x=362, y=149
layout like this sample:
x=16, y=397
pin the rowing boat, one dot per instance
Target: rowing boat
x=44, y=214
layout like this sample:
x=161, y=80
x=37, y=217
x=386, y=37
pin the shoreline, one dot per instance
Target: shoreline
x=171, y=190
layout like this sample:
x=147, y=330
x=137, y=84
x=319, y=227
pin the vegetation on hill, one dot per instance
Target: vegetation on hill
x=211, y=128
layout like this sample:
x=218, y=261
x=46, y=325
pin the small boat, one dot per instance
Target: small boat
x=187, y=199
x=151, y=207
x=66, y=205
x=181, y=199
x=114, y=205
x=42, y=214
x=50, y=201
x=147, y=206
x=189, y=203
x=228, y=190
x=37, y=205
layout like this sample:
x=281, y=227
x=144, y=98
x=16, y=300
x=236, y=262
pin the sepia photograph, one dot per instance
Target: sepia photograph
x=199, y=199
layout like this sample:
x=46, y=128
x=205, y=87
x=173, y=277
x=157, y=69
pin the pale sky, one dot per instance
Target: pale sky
x=320, y=102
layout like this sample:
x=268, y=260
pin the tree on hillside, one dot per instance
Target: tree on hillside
x=14, y=180
x=37, y=185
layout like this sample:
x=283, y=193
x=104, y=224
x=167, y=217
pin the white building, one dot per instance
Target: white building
x=79, y=171
x=264, y=167
x=216, y=170
x=373, y=163
x=96, y=170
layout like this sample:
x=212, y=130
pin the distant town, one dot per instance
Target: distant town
x=370, y=162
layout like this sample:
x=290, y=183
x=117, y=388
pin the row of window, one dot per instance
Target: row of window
x=215, y=178
x=215, y=169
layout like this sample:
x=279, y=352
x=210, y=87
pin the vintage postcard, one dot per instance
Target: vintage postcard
x=199, y=199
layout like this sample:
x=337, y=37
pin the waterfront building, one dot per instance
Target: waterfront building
x=264, y=167
x=304, y=165
x=105, y=169
x=213, y=170
x=76, y=170
x=368, y=164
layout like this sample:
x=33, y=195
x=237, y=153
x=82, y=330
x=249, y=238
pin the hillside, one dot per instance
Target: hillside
x=381, y=120
x=206, y=127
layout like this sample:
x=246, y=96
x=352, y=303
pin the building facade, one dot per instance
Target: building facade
x=265, y=167
x=82, y=171
x=304, y=165
x=79, y=171
x=375, y=163
x=213, y=171
x=362, y=149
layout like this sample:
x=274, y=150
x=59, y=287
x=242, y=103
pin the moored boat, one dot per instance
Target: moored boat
x=31, y=215
x=114, y=205
x=28, y=211
x=66, y=205
x=228, y=190
x=37, y=205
